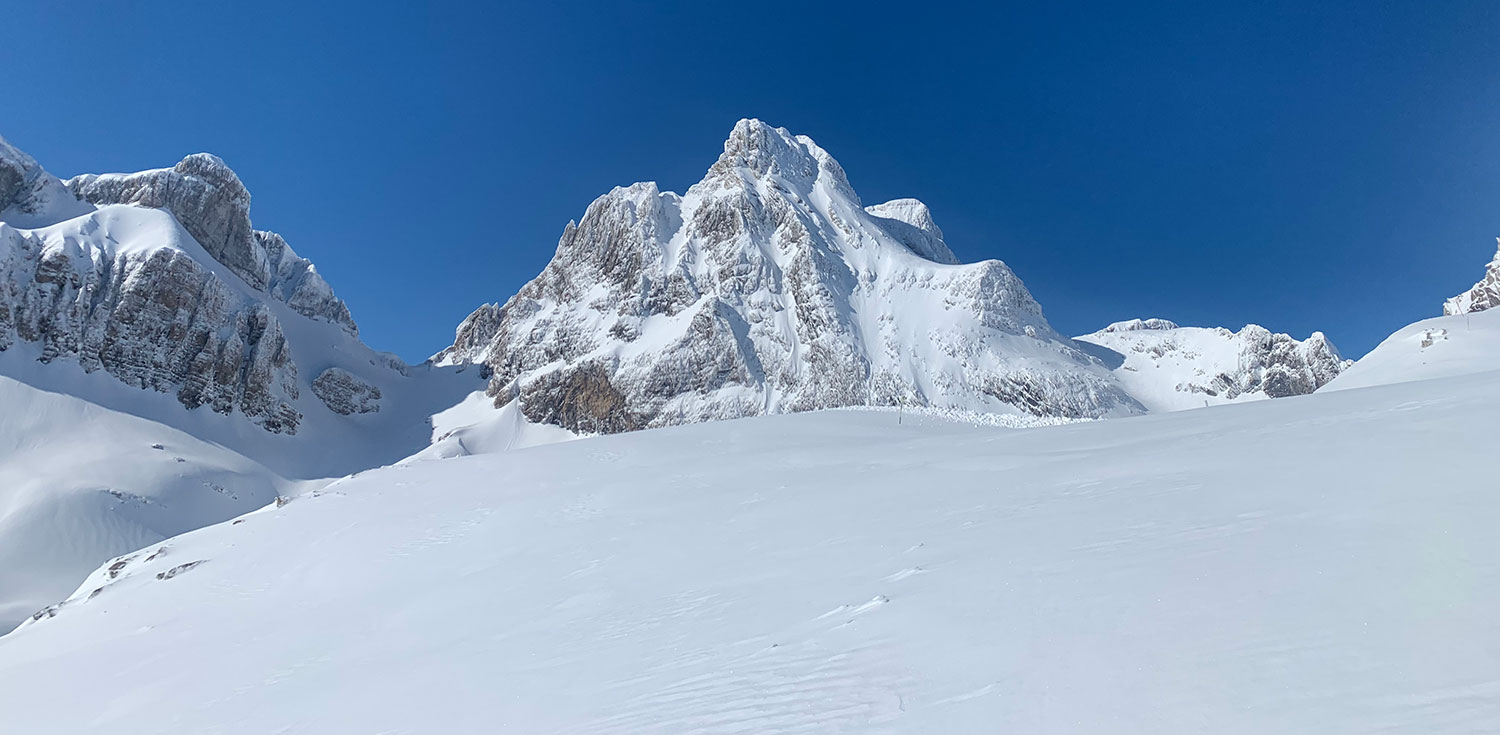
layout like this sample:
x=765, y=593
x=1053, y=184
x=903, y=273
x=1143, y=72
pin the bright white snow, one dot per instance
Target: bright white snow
x=1322, y=564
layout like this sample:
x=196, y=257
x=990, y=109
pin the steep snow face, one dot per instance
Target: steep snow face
x=769, y=288
x=1484, y=295
x=1171, y=368
x=1442, y=347
x=1319, y=564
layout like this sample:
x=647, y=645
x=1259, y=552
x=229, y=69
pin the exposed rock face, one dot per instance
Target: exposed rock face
x=1168, y=367
x=153, y=317
x=344, y=393
x=29, y=196
x=1484, y=295
x=769, y=288
x=211, y=203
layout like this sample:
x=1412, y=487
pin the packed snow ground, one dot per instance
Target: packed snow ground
x=1324, y=564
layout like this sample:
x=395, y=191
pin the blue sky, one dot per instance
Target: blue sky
x=1333, y=168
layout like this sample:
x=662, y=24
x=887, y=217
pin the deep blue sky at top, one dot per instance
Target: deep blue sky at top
x=1334, y=167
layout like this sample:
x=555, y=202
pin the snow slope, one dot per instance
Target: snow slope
x=1170, y=368
x=1446, y=346
x=1322, y=563
x=83, y=483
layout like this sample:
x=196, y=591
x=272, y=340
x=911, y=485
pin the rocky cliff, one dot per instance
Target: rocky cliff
x=1484, y=295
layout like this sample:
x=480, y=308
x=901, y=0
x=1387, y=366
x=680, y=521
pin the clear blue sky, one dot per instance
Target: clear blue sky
x=1333, y=168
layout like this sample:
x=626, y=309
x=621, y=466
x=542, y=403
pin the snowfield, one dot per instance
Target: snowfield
x=1316, y=564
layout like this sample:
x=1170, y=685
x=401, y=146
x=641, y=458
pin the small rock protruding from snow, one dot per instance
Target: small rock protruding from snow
x=344, y=393
x=1484, y=295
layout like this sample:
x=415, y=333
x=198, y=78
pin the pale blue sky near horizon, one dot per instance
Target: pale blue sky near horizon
x=1329, y=168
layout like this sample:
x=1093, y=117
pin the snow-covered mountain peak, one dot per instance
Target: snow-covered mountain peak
x=1136, y=325
x=755, y=150
x=767, y=288
x=1484, y=295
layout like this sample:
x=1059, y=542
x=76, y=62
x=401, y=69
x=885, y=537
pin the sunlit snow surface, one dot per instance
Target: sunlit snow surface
x=1320, y=564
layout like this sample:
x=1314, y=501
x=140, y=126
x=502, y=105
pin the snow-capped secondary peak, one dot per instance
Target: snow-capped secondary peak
x=1484, y=295
x=910, y=211
x=1169, y=368
x=1136, y=325
x=768, y=288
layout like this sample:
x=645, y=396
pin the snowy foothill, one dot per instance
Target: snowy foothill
x=1313, y=564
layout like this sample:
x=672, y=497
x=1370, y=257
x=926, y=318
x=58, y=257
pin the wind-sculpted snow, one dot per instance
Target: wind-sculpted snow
x=1170, y=368
x=1484, y=295
x=769, y=288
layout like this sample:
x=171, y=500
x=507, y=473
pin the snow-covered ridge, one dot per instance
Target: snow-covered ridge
x=1484, y=295
x=1167, y=367
x=769, y=288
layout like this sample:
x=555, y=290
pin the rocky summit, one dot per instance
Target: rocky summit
x=768, y=287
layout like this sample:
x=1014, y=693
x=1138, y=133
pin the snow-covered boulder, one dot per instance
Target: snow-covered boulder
x=769, y=288
x=1484, y=295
